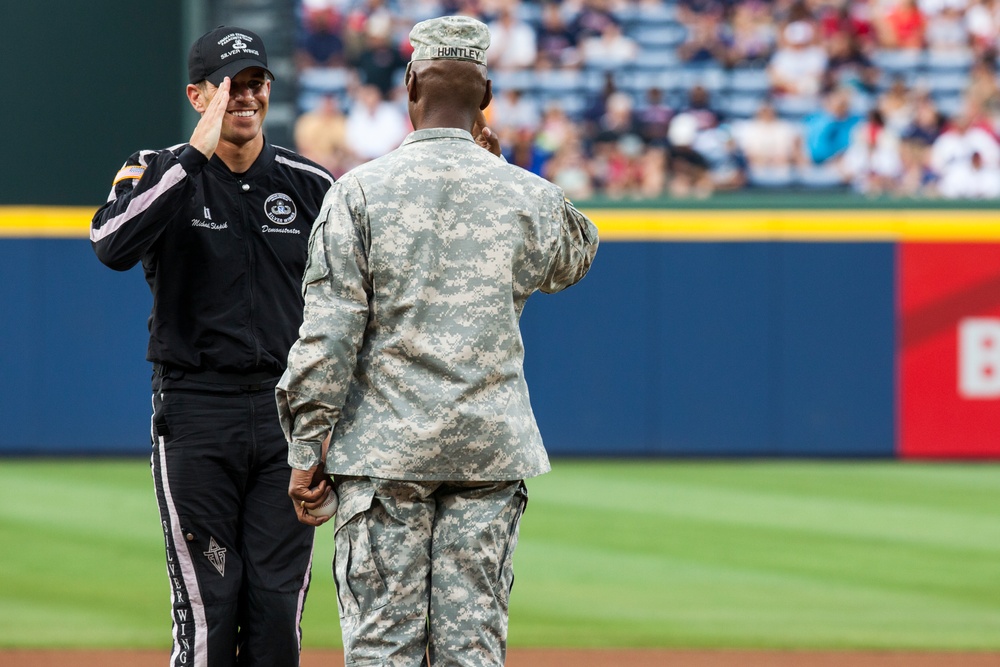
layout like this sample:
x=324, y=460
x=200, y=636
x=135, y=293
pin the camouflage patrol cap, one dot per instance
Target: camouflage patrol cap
x=450, y=38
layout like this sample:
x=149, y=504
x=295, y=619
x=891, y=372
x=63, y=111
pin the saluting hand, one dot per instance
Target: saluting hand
x=209, y=129
x=485, y=137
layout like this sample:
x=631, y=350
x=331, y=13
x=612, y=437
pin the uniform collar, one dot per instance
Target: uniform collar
x=263, y=161
x=437, y=133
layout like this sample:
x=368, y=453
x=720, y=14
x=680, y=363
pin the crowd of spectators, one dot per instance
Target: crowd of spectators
x=687, y=98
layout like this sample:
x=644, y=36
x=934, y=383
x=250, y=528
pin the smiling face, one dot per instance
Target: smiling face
x=249, y=94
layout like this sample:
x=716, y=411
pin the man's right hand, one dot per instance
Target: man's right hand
x=209, y=129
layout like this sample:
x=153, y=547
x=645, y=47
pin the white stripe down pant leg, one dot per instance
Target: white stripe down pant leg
x=238, y=560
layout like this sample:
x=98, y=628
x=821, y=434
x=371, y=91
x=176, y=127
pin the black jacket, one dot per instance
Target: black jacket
x=223, y=253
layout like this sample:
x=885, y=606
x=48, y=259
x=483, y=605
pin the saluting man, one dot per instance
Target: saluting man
x=221, y=225
x=410, y=352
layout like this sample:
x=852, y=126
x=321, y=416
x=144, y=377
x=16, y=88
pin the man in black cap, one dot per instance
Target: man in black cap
x=221, y=225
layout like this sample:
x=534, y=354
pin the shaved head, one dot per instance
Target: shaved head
x=447, y=88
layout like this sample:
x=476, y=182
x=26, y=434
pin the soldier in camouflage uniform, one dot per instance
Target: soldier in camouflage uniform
x=420, y=265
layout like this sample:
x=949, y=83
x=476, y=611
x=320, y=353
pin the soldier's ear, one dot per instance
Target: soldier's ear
x=411, y=85
x=487, y=96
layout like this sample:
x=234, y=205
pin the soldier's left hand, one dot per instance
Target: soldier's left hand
x=305, y=496
x=484, y=136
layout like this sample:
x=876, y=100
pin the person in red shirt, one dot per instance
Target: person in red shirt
x=903, y=26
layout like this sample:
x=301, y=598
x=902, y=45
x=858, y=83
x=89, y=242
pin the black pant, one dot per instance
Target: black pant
x=237, y=557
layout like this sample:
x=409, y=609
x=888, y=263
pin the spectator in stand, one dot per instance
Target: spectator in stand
x=850, y=17
x=896, y=105
x=689, y=10
x=609, y=50
x=982, y=20
x=946, y=30
x=983, y=90
x=772, y=146
x=557, y=43
x=570, y=169
x=927, y=122
x=524, y=152
x=653, y=118
x=557, y=128
x=728, y=165
x=653, y=172
x=374, y=126
x=972, y=179
x=828, y=132
x=700, y=106
x=357, y=16
x=689, y=171
x=799, y=64
x=593, y=17
x=620, y=165
x=512, y=41
x=871, y=162
x=415, y=11
x=916, y=179
x=597, y=105
x=952, y=152
x=619, y=119
x=614, y=151
x=321, y=135
x=511, y=110
x=752, y=36
x=704, y=41
x=848, y=66
x=380, y=61
x=320, y=41
x=902, y=26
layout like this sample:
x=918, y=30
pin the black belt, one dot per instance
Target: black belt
x=245, y=381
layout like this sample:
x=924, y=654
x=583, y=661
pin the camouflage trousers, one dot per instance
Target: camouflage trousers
x=424, y=570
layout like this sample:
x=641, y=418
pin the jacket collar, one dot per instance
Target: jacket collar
x=261, y=164
x=437, y=133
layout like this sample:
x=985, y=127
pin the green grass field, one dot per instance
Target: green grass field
x=646, y=554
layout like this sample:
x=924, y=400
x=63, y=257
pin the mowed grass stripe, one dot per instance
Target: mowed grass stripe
x=613, y=553
x=82, y=562
x=779, y=554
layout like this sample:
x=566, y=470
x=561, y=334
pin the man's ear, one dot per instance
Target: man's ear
x=196, y=96
x=488, y=96
x=411, y=85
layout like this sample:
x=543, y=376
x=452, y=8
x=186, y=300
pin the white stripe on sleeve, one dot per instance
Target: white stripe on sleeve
x=139, y=204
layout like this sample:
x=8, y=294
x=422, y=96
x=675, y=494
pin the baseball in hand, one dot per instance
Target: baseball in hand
x=328, y=508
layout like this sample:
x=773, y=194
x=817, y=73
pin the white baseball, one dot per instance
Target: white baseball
x=328, y=508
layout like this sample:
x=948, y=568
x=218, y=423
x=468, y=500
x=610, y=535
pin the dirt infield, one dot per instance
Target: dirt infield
x=561, y=658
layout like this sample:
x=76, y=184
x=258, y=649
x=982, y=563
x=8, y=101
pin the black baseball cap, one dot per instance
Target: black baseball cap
x=225, y=52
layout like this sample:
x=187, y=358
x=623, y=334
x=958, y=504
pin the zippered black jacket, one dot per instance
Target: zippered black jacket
x=223, y=253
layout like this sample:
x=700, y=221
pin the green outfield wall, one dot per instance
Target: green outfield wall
x=88, y=84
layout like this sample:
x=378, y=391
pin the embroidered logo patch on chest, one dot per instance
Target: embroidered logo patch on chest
x=280, y=209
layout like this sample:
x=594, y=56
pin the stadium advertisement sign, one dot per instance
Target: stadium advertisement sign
x=949, y=295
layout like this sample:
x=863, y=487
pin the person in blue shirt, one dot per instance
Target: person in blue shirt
x=828, y=133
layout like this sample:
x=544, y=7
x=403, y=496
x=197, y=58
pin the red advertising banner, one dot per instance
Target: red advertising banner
x=949, y=356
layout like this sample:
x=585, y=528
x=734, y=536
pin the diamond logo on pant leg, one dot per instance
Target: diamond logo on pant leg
x=216, y=556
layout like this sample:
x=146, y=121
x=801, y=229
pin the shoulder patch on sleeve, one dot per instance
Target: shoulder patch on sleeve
x=134, y=171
